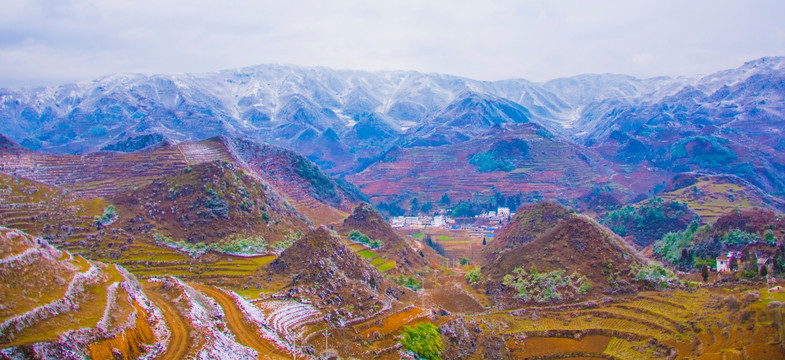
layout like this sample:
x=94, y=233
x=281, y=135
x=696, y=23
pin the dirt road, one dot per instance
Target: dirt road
x=179, y=341
x=244, y=330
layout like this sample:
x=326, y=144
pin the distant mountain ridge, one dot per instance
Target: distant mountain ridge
x=347, y=121
x=278, y=103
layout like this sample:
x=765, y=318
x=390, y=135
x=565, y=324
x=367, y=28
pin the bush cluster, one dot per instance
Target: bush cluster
x=410, y=282
x=547, y=286
x=358, y=237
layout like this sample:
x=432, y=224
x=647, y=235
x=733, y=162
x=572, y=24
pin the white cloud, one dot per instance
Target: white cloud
x=56, y=41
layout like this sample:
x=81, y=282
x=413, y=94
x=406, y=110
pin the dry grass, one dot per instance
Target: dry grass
x=714, y=199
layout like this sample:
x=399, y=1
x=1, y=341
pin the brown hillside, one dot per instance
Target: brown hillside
x=750, y=220
x=320, y=267
x=314, y=193
x=531, y=221
x=209, y=203
x=366, y=220
x=552, y=168
x=104, y=174
x=579, y=245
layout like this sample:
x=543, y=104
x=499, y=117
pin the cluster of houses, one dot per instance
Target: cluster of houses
x=724, y=261
x=419, y=222
x=499, y=217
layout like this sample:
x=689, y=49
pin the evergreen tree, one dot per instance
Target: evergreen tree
x=705, y=272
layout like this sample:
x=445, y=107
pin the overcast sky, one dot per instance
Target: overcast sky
x=49, y=42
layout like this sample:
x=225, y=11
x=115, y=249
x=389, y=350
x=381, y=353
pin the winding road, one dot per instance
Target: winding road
x=245, y=331
x=179, y=341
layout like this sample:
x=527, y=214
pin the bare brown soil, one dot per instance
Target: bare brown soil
x=180, y=342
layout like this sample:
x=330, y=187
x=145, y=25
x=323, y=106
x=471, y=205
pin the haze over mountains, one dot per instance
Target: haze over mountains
x=351, y=121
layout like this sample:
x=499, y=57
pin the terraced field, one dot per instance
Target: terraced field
x=44, y=210
x=701, y=323
x=57, y=303
x=712, y=197
x=457, y=243
x=380, y=263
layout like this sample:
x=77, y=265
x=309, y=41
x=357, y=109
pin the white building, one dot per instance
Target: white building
x=411, y=221
x=503, y=212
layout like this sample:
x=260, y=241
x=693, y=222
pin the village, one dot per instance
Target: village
x=488, y=221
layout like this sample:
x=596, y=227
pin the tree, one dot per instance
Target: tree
x=424, y=340
x=483, y=241
x=777, y=262
x=734, y=263
x=414, y=207
x=705, y=272
x=444, y=200
x=751, y=265
x=427, y=207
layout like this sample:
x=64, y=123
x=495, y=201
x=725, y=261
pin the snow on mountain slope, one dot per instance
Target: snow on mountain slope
x=291, y=106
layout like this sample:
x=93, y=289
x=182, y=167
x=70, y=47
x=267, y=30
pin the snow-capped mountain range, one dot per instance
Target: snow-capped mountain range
x=341, y=117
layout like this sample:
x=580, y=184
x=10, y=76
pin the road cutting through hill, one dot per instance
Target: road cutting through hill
x=179, y=341
x=246, y=333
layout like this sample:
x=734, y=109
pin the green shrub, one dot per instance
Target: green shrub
x=424, y=340
x=737, y=237
x=487, y=162
x=109, y=215
x=474, y=276
x=410, y=282
x=653, y=274
x=243, y=245
x=358, y=237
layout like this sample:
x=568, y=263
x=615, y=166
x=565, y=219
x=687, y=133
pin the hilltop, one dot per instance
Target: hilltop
x=576, y=245
x=530, y=221
x=314, y=193
x=8, y=146
x=211, y=203
x=322, y=269
x=522, y=160
x=712, y=196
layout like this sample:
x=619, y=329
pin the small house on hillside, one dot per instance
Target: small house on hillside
x=724, y=260
x=723, y=263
